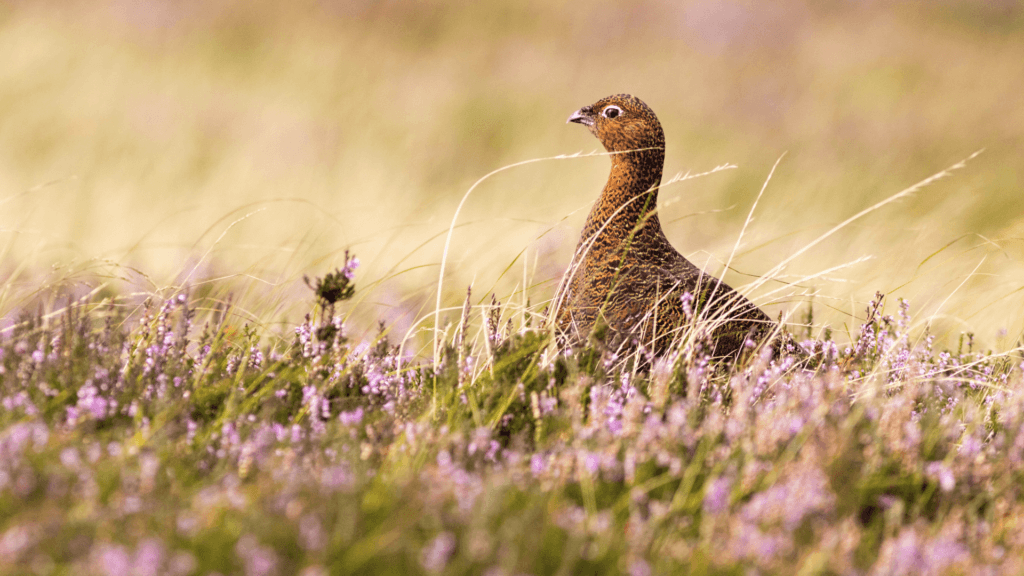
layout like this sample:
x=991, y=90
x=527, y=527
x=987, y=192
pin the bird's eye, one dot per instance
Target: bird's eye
x=611, y=112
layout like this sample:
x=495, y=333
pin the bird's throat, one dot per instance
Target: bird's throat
x=629, y=200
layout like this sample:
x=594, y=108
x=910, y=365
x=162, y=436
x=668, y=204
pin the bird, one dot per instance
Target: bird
x=625, y=275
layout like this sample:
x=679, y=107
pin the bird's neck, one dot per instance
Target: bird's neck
x=629, y=200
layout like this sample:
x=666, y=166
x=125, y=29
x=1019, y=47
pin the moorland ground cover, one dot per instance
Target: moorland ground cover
x=160, y=439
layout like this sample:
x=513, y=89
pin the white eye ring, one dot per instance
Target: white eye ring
x=611, y=112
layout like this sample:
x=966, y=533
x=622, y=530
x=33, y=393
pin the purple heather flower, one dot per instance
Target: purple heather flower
x=908, y=554
x=335, y=478
x=970, y=446
x=789, y=501
x=351, y=418
x=255, y=358
x=716, y=497
x=149, y=558
x=481, y=438
x=639, y=567
x=114, y=560
x=232, y=364
x=687, y=303
x=547, y=404
x=492, y=451
x=15, y=541
x=90, y=400
x=537, y=464
x=350, y=267
x=311, y=533
x=436, y=554
x=71, y=415
x=69, y=458
x=20, y=400
x=444, y=459
x=181, y=564
x=258, y=560
x=939, y=471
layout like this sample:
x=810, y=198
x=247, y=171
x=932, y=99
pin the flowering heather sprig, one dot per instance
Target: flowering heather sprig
x=335, y=286
x=492, y=323
x=687, y=303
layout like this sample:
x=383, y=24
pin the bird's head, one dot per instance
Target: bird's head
x=621, y=122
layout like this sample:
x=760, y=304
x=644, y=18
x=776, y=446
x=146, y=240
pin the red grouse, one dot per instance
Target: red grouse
x=625, y=273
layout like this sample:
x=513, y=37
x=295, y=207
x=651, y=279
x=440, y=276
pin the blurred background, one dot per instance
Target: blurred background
x=238, y=145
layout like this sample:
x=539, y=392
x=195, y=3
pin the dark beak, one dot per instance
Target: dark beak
x=583, y=116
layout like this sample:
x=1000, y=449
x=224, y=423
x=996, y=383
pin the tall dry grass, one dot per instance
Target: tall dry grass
x=240, y=146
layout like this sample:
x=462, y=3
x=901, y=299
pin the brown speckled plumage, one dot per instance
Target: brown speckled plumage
x=624, y=270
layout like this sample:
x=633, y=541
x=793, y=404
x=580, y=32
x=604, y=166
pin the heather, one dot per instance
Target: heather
x=172, y=438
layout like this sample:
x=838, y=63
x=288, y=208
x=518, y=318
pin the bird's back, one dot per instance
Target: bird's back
x=649, y=294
